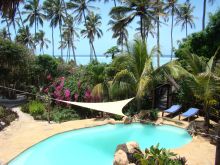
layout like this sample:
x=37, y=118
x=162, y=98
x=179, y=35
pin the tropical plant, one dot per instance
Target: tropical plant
x=81, y=8
x=24, y=37
x=6, y=20
x=119, y=30
x=93, y=22
x=15, y=21
x=9, y=7
x=132, y=9
x=36, y=108
x=33, y=9
x=115, y=2
x=112, y=51
x=185, y=16
x=42, y=40
x=204, y=12
x=158, y=156
x=171, y=8
x=4, y=34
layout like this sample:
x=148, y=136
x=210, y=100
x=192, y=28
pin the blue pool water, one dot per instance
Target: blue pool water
x=96, y=145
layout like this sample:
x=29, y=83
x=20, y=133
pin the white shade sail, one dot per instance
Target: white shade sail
x=109, y=107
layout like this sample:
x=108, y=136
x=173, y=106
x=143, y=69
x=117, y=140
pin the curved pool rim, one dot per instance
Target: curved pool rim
x=93, y=126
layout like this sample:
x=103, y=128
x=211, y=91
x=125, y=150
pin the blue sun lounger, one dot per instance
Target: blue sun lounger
x=189, y=113
x=172, y=109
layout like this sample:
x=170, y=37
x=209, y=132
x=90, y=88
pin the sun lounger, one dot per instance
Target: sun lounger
x=189, y=113
x=172, y=109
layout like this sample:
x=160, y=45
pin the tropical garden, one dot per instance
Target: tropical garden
x=195, y=74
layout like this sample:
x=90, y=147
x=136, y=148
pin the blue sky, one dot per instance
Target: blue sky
x=101, y=45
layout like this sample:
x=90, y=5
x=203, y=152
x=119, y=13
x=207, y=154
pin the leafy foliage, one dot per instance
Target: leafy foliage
x=203, y=43
x=158, y=156
x=36, y=108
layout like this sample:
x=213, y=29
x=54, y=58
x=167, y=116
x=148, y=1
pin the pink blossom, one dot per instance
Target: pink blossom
x=49, y=77
x=46, y=90
x=67, y=94
x=88, y=96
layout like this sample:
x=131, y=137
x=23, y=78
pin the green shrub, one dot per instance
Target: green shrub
x=25, y=108
x=153, y=114
x=2, y=112
x=158, y=156
x=61, y=115
x=36, y=108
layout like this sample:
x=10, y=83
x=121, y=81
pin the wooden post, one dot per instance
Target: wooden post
x=48, y=116
x=217, y=154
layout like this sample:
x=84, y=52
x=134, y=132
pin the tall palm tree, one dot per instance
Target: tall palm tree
x=14, y=21
x=71, y=33
x=132, y=9
x=171, y=8
x=159, y=11
x=9, y=7
x=115, y=2
x=185, y=16
x=93, y=22
x=5, y=19
x=4, y=34
x=204, y=11
x=24, y=37
x=119, y=30
x=42, y=40
x=56, y=14
x=81, y=8
x=35, y=16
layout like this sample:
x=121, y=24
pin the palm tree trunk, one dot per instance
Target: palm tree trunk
x=90, y=51
x=84, y=15
x=52, y=41
x=206, y=110
x=72, y=45
x=9, y=34
x=141, y=28
x=204, y=12
x=172, y=34
x=61, y=40
x=186, y=30
x=158, y=41
x=94, y=51
x=115, y=3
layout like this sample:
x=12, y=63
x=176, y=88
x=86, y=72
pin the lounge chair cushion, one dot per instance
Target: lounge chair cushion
x=173, y=109
x=190, y=112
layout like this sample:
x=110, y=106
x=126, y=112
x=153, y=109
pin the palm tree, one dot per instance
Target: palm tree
x=119, y=30
x=132, y=9
x=185, y=16
x=93, y=22
x=81, y=8
x=70, y=32
x=204, y=12
x=159, y=11
x=4, y=34
x=112, y=51
x=171, y=8
x=115, y=4
x=24, y=37
x=6, y=20
x=9, y=7
x=34, y=14
x=41, y=40
x=14, y=21
x=56, y=14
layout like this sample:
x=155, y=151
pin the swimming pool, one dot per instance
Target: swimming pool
x=96, y=145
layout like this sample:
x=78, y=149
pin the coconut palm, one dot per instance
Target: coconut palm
x=172, y=9
x=71, y=33
x=42, y=40
x=5, y=19
x=132, y=9
x=15, y=22
x=204, y=11
x=115, y=2
x=119, y=30
x=56, y=14
x=81, y=8
x=4, y=34
x=9, y=7
x=24, y=37
x=93, y=22
x=35, y=16
x=185, y=16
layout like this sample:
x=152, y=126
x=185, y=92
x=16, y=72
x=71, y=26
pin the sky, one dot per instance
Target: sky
x=106, y=41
